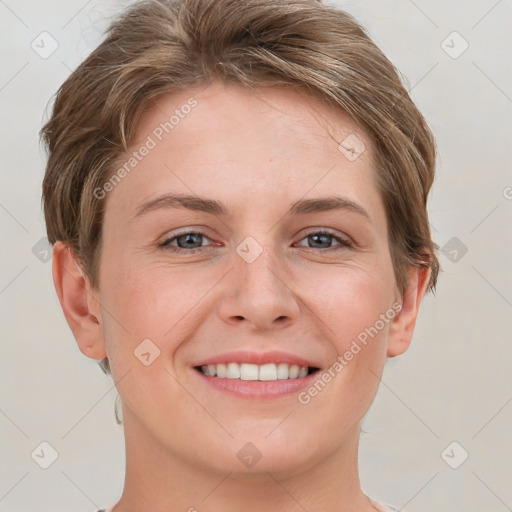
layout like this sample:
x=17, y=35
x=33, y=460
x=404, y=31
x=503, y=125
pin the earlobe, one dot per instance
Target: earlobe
x=78, y=302
x=402, y=328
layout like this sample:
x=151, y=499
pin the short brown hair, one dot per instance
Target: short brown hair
x=165, y=45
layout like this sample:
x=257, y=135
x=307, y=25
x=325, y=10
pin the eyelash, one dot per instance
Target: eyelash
x=343, y=242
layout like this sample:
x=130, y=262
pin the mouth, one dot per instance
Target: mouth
x=255, y=372
x=262, y=376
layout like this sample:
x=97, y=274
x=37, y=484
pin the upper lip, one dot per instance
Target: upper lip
x=259, y=358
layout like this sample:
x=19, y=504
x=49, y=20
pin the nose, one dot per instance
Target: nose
x=259, y=293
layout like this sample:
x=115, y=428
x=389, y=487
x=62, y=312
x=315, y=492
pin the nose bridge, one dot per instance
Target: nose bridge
x=258, y=291
x=259, y=267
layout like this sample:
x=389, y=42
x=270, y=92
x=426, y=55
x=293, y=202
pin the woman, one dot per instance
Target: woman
x=236, y=193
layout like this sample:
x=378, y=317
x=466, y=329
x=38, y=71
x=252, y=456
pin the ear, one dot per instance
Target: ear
x=78, y=302
x=402, y=327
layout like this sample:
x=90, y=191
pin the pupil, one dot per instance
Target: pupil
x=189, y=239
x=326, y=239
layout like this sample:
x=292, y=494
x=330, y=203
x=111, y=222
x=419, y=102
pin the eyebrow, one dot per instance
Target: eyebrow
x=213, y=207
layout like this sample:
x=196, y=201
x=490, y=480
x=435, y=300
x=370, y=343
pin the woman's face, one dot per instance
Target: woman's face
x=288, y=263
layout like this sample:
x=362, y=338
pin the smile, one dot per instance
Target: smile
x=255, y=372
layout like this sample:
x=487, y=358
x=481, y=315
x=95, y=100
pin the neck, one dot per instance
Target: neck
x=158, y=481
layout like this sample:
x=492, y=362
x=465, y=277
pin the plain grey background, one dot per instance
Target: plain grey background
x=449, y=397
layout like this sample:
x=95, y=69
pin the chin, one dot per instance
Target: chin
x=251, y=458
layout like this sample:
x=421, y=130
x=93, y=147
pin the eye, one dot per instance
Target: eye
x=189, y=242
x=323, y=240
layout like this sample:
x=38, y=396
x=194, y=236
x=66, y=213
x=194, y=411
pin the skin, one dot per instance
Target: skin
x=257, y=152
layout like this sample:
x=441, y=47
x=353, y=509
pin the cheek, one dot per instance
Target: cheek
x=349, y=299
x=356, y=311
x=143, y=329
x=154, y=302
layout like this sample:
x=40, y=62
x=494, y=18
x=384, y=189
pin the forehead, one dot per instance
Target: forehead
x=241, y=110
x=253, y=147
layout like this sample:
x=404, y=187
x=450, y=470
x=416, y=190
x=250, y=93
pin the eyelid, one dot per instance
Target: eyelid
x=344, y=240
x=198, y=229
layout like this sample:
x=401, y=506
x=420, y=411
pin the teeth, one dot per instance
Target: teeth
x=246, y=371
x=282, y=371
x=221, y=371
x=293, y=371
x=233, y=371
x=268, y=372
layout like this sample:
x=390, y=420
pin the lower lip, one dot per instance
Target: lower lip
x=259, y=389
